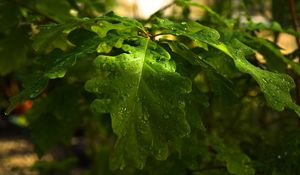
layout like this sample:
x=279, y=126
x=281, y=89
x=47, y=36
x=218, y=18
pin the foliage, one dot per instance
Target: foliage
x=161, y=96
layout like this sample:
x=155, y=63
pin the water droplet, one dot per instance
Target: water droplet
x=264, y=80
x=90, y=51
x=129, y=85
x=142, y=98
x=142, y=131
x=123, y=165
x=159, y=151
x=141, y=164
x=137, y=100
x=6, y=113
x=124, y=96
x=123, y=110
x=105, y=66
x=34, y=93
x=105, y=84
x=181, y=103
x=151, y=145
x=166, y=116
x=146, y=117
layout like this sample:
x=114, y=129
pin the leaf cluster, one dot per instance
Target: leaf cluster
x=165, y=96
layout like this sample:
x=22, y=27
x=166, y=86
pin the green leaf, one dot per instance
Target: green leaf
x=189, y=29
x=115, y=19
x=275, y=27
x=137, y=89
x=59, y=113
x=114, y=30
x=223, y=88
x=57, y=63
x=53, y=36
x=13, y=50
x=103, y=27
x=58, y=10
x=271, y=52
x=37, y=85
x=54, y=65
x=289, y=153
x=80, y=36
x=219, y=19
x=275, y=86
x=236, y=162
x=9, y=14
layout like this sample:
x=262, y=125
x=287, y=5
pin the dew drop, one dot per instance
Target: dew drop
x=6, y=113
x=105, y=84
x=141, y=164
x=146, y=117
x=123, y=165
x=105, y=66
x=34, y=93
x=142, y=131
x=183, y=23
x=137, y=100
x=166, y=116
x=90, y=51
x=181, y=103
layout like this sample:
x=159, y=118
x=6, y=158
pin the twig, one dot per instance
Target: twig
x=293, y=14
x=33, y=10
x=161, y=10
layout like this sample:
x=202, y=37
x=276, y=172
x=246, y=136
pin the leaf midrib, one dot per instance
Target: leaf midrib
x=142, y=70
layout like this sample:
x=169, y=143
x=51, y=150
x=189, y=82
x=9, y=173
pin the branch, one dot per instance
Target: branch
x=33, y=10
x=161, y=10
x=293, y=13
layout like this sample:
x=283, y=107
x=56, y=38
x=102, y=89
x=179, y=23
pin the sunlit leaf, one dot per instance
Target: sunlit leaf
x=137, y=89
